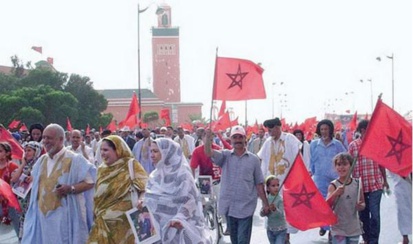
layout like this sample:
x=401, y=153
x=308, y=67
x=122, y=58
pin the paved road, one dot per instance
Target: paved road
x=389, y=231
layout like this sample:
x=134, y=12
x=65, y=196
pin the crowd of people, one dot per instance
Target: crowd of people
x=82, y=184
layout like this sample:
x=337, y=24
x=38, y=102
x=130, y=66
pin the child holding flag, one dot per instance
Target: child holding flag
x=275, y=222
x=345, y=195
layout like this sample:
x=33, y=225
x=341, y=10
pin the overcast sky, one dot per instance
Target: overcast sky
x=318, y=49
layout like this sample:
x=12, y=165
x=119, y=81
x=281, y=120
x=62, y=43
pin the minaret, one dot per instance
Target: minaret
x=165, y=57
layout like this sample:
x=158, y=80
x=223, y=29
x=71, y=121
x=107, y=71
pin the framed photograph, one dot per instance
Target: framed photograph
x=205, y=185
x=144, y=227
x=22, y=187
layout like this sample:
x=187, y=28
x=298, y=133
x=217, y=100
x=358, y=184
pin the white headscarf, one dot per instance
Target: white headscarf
x=171, y=195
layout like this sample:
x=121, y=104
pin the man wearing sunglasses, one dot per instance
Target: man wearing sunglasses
x=241, y=184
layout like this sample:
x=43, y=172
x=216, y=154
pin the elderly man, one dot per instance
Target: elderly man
x=241, y=184
x=278, y=154
x=60, y=209
x=278, y=151
x=142, y=151
x=78, y=146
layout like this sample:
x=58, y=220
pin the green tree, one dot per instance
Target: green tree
x=46, y=96
x=91, y=103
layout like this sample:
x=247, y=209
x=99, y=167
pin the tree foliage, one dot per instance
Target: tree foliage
x=45, y=96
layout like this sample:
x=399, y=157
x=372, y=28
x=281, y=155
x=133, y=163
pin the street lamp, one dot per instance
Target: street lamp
x=371, y=91
x=392, y=77
x=159, y=10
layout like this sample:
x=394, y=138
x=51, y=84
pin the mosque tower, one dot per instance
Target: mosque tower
x=165, y=57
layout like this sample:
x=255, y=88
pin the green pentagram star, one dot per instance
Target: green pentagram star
x=237, y=78
x=397, y=147
x=303, y=197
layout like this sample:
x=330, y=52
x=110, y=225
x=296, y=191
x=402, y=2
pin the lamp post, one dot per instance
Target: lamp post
x=158, y=11
x=371, y=92
x=392, y=77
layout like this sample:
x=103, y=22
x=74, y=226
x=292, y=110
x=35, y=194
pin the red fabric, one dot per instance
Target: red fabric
x=111, y=126
x=305, y=207
x=223, y=122
x=37, y=49
x=222, y=109
x=14, y=124
x=206, y=167
x=131, y=119
x=8, y=195
x=237, y=79
x=23, y=128
x=224, y=142
x=165, y=116
x=133, y=107
x=16, y=148
x=338, y=126
x=68, y=124
x=186, y=126
x=388, y=140
x=352, y=125
x=5, y=173
x=234, y=122
x=50, y=60
x=87, y=131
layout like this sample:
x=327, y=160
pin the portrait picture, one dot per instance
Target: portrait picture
x=143, y=225
x=22, y=187
x=205, y=184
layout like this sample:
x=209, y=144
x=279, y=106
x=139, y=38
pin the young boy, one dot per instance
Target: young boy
x=346, y=198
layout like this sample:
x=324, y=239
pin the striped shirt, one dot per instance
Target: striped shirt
x=239, y=179
x=366, y=169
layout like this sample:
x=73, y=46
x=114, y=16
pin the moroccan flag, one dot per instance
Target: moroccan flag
x=352, y=125
x=50, y=60
x=305, y=207
x=8, y=195
x=234, y=122
x=338, y=126
x=16, y=148
x=37, y=49
x=237, y=79
x=388, y=140
x=133, y=107
x=222, y=109
x=14, y=124
x=165, y=116
x=23, y=128
x=222, y=123
x=111, y=126
x=68, y=124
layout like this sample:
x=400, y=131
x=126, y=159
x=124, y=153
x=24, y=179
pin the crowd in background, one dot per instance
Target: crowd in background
x=101, y=153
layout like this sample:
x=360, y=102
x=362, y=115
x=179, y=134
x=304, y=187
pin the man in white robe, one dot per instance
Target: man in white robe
x=60, y=209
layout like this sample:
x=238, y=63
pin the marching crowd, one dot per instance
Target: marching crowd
x=82, y=184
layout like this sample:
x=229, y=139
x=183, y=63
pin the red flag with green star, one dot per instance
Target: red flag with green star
x=237, y=79
x=388, y=140
x=304, y=206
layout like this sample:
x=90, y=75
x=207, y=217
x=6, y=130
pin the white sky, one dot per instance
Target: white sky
x=319, y=49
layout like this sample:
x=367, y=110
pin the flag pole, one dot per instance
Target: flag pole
x=246, y=118
x=213, y=89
